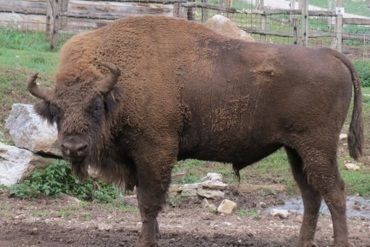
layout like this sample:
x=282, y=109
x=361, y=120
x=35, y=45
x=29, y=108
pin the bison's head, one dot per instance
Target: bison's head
x=82, y=112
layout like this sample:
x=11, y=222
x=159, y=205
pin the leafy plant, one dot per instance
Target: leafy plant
x=57, y=178
x=363, y=70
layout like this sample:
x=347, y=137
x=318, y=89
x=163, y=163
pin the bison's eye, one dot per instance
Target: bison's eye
x=96, y=109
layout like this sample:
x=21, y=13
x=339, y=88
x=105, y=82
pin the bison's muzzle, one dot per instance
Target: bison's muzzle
x=74, y=148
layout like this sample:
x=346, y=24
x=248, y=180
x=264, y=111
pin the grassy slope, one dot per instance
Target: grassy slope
x=21, y=54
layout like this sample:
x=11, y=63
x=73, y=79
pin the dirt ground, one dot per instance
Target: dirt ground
x=65, y=221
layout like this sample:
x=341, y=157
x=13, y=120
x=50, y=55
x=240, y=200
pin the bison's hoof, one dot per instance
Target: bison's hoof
x=341, y=244
x=142, y=243
x=308, y=243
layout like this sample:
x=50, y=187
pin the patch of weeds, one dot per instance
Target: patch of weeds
x=38, y=59
x=120, y=205
x=41, y=213
x=251, y=213
x=191, y=169
x=86, y=216
x=175, y=200
x=57, y=178
x=362, y=67
x=357, y=182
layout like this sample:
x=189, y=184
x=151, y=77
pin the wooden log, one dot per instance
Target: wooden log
x=35, y=7
x=287, y=34
x=316, y=13
x=114, y=10
x=23, y=22
x=356, y=21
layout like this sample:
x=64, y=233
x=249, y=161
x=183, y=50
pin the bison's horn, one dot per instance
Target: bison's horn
x=106, y=84
x=37, y=91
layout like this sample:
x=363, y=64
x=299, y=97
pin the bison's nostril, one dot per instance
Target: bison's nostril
x=74, y=148
x=81, y=147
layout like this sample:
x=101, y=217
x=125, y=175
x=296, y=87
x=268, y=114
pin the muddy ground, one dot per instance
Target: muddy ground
x=65, y=221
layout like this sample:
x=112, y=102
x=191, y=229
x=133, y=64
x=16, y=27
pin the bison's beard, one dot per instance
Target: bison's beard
x=80, y=170
x=105, y=167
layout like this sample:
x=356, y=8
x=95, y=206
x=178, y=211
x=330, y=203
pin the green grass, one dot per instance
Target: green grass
x=30, y=41
x=363, y=70
x=350, y=6
x=21, y=54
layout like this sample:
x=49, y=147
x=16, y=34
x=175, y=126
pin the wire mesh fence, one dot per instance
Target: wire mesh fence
x=289, y=26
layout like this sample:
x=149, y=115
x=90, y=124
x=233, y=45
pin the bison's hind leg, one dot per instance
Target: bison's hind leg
x=318, y=176
x=311, y=200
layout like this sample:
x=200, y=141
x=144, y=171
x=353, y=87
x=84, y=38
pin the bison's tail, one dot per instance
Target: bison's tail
x=355, y=135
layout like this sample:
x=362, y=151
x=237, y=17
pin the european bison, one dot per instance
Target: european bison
x=187, y=92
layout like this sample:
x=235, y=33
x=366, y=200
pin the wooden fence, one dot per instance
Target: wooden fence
x=289, y=26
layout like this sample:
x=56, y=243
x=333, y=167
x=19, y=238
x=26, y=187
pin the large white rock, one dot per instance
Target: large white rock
x=17, y=163
x=31, y=132
x=222, y=25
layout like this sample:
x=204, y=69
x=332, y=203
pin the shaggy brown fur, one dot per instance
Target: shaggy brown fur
x=187, y=92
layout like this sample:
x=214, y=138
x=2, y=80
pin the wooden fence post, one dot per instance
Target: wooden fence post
x=190, y=12
x=260, y=5
x=204, y=12
x=339, y=25
x=227, y=5
x=55, y=20
x=304, y=31
x=48, y=19
x=176, y=9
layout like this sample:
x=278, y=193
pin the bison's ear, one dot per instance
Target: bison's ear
x=47, y=111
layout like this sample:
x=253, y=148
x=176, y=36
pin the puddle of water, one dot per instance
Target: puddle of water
x=356, y=207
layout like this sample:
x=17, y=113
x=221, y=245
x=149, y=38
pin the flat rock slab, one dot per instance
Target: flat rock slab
x=17, y=163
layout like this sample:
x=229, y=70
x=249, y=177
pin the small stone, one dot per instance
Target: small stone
x=205, y=203
x=34, y=231
x=189, y=193
x=193, y=186
x=104, y=227
x=214, y=185
x=212, y=208
x=352, y=166
x=262, y=205
x=343, y=136
x=175, y=188
x=212, y=176
x=281, y=213
x=70, y=199
x=226, y=207
x=210, y=194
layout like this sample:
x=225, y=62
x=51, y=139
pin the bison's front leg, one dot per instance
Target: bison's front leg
x=154, y=162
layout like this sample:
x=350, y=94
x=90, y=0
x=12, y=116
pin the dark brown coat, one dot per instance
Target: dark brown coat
x=186, y=92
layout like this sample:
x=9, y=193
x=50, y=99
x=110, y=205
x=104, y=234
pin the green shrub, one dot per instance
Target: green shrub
x=57, y=178
x=363, y=70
